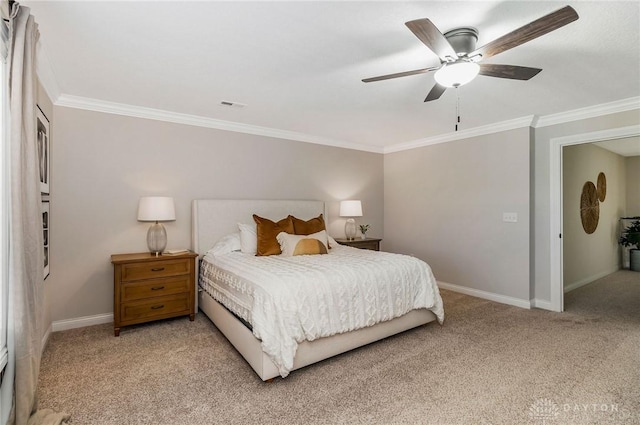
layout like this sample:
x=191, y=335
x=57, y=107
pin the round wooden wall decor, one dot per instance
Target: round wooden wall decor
x=602, y=187
x=589, y=208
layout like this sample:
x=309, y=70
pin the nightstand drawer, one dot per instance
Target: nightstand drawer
x=371, y=245
x=156, y=307
x=151, y=270
x=154, y=288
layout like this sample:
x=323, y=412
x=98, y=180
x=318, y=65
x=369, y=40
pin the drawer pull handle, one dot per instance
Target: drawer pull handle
x=157, y=269
x=157, y=288
x=157, y=307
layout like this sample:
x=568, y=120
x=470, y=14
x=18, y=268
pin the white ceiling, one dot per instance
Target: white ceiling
x=629, y=146
x=298, y=65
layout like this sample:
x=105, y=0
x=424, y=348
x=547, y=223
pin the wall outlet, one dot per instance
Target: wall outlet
x=510, y=217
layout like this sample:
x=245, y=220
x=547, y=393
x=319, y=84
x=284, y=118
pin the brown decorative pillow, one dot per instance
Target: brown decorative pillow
x=267, y=231
x=314, y=225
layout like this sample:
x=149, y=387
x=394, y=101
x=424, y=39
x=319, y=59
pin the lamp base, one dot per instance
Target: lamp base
x=156, y=238
x=350, y=229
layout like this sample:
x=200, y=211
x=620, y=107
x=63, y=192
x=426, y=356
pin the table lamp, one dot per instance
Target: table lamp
x=350, y=208
x=156, y=208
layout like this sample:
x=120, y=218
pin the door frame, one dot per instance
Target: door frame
x=555, y=190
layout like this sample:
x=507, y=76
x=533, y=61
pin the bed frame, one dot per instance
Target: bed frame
x=215, y=218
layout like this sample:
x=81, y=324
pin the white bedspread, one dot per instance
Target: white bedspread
x=312, y=296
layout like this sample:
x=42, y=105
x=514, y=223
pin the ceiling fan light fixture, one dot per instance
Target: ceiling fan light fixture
x=457, y=74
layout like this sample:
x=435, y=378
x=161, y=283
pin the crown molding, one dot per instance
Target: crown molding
x=623, y=105
x=96, y=105
x=45, y=73
x=48, y=81
x=630, y=104
x=464, y=134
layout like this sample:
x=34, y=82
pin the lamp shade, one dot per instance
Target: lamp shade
x=156, y=208
x=350, y=208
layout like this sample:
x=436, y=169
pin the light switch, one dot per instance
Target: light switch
x=510, y=217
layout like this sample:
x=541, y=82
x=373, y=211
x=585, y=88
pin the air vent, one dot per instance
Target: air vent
x=228, y=104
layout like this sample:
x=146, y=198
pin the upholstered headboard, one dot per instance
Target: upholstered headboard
x=215, y=218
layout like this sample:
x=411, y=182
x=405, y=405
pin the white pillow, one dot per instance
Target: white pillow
x=226, y=244
x=248, y=238
x=291, y=245
x=332, y=242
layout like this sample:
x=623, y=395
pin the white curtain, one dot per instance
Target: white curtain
x=25, y=219
x=26, y=257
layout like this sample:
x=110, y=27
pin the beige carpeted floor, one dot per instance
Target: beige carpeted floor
x=488, y=364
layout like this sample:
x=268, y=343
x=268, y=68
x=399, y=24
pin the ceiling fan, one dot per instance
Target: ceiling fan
x=459, y=56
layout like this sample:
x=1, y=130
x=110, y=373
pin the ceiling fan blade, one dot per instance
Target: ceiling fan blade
x=431, y=36
x=508, y=71
x=435, y=92
x=400, y=74
x=532, y=30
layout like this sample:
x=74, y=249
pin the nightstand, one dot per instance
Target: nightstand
x=147, y=288
x=370, y=243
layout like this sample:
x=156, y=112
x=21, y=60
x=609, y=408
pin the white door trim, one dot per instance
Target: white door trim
x=555, y=190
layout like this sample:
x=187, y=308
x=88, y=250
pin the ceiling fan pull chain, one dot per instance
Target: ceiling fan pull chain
x=457, y=107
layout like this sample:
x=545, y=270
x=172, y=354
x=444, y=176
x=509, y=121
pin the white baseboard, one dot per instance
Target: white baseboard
x=99, y=319
x=588, y=280
x=503, y=299
x=542, y=304
x=45, y=338
x=81, y=322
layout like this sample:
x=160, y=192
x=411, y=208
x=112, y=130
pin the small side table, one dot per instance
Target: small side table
x=372, y=244
x=147, y=288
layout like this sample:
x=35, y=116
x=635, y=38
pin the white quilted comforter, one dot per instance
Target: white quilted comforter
x=291, y=299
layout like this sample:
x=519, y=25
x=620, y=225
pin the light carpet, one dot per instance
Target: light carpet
x=488, y=364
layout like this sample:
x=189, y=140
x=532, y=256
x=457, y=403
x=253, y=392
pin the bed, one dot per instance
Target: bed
x=216, y=219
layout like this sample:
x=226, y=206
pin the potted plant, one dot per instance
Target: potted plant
x=631, y=238
x=364, y=228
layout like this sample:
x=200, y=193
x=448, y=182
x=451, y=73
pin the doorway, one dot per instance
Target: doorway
x=556, y=209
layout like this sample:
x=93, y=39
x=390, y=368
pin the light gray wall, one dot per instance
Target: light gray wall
x=444, y=204
x=102, y=165
x=541, y=173
x=633, y=186
x=587, y=257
